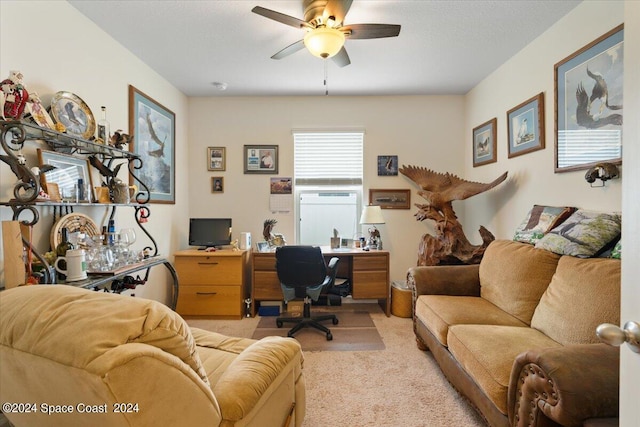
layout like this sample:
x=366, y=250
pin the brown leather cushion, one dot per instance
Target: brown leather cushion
x=583, y=294
x=487, y=352
x=439, y=312
x=514, y=276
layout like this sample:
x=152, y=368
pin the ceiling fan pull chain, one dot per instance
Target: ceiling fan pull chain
x=326, y=78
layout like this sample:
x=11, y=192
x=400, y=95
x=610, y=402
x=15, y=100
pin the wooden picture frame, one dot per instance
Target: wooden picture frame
x=261, y=159
x=216, y=158
x=388, y=165
x=217, y=184
x=68, y=169
x=525, y=126
x=588, y=127
x=485, y=143
x=390, y=199
x=154, y=132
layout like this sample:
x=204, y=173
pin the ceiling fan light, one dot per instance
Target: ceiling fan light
x=324, y=42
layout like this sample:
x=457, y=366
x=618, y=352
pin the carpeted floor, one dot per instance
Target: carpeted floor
x=399, y=386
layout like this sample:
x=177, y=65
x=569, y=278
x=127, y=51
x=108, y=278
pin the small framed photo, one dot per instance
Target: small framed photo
x=261, y=159
x=589, y=104
x=387, y=165
x=68, y=170
x=484, y=143
x=390, y=199
x=262, y=246
x=216, y=159
x=525, y=126
x=217, y=184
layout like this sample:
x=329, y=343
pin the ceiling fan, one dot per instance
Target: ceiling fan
x=325, y=32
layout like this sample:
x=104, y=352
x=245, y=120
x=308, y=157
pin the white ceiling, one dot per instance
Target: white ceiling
x=444, y=47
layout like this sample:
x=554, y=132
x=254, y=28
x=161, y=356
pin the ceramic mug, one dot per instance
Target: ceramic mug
x=76, y=265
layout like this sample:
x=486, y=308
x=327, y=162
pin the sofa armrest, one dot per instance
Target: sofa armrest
x=565, y=384
x=461, y=280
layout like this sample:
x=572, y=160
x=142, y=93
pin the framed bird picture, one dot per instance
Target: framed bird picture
x=387, y=165
x=525, y=126
x=484, y=143
x=153, y=128
x=588, y=110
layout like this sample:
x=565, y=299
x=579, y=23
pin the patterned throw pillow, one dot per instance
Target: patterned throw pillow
x=539, y=221
x=583, y=234
x=617, y=250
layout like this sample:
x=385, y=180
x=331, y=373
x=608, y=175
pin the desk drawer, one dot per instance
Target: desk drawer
x=264, y=262
x=372, y=262
x=210, y=301
x=370, y=284
x=266, y=286
x=209, y=270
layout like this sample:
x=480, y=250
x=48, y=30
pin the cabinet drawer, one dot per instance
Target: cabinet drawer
x=264, y=262
x=373, y=284
x=373, y=262
x=266, y=286
x=210, y=301
x=209, y=270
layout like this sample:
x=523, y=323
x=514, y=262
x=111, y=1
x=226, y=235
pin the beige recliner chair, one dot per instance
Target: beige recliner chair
x=75, y=357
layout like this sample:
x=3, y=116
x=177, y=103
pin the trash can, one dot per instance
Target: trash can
x=401, y=304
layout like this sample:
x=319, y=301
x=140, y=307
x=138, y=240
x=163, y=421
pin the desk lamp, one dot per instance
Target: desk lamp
x=373, y=215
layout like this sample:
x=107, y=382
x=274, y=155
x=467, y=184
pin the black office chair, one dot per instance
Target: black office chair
x=303, y=274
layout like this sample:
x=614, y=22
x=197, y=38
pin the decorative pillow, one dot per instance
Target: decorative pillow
x=583, y=234
x=539, y=221
x=617, y=250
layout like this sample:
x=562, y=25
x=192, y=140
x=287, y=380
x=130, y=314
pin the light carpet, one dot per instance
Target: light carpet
x=400, y=386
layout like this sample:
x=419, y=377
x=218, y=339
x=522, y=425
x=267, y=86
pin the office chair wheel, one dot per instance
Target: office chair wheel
x=278, y=323
x=335, y=320
x=329, y=336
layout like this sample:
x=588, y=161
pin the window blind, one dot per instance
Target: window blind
x=328, y=158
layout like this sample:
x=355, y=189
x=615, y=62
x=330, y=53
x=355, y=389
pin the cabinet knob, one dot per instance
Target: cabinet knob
x=611, y=334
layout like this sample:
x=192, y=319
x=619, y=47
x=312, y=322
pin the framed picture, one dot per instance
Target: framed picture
x=262, y=246
x=261, y=159
x=217, y=184
x=484, y=143
x=68, y=170
x=588, y=110
x=216, y=159
x=390, y=199
x=387, y=165
x=153, y=130
x=525, y=126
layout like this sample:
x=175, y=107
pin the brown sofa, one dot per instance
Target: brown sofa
x=101, y=359
x=516, y=334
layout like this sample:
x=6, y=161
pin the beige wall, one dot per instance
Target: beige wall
x=420, y=130
x=59, y=49
x=531, y=176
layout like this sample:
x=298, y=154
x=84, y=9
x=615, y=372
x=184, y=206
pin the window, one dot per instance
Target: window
x=328, y=185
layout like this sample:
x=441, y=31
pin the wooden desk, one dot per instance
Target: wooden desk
x=368, y=272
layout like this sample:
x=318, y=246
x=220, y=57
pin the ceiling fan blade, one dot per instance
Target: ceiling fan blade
x=341, y=58
x=280, y=17
x=372, y=31
x=336, y=8
x=292, y=48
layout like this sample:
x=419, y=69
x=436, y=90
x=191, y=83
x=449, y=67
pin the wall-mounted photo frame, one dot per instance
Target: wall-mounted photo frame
x=387, y=165
x=390, y=199
x=154, y=134
x=261, y=159
x=588, y=110
x=68, y=170
x=217, y=184
x=216, y=159
x=484, y=143
x=525, y=126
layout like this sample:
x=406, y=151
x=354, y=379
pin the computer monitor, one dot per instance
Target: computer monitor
x=209, y=232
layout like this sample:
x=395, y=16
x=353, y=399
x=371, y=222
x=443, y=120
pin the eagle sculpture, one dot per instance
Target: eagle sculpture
x=450, y=246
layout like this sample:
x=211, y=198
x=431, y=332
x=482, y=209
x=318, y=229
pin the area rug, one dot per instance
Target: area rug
x=354, y=332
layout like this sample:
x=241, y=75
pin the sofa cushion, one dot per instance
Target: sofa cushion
x=487, y=352
x=217, y=351
x=539, y=221
x=583, y=294
x=439, y=312
x=514, y=275
x=583, y=234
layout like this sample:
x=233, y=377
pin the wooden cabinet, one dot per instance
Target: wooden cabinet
x=212, y=283
x=368, y=272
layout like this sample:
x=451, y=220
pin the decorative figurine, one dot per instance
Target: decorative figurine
x=14, y=96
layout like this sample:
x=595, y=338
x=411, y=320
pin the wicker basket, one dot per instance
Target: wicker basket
x=401, y=305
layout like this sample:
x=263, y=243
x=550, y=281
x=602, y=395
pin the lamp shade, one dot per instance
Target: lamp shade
x=371, y=215
x=324, y=42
